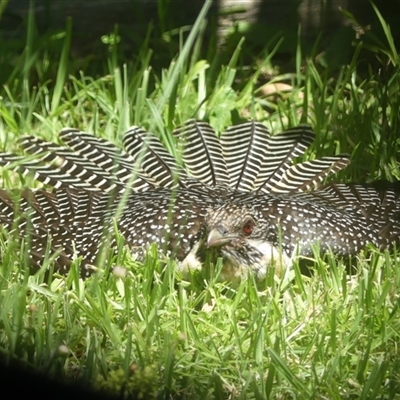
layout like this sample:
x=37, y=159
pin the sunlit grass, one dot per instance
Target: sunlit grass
x=144, y=330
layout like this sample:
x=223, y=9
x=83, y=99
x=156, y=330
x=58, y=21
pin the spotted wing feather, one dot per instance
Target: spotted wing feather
x=377, y=203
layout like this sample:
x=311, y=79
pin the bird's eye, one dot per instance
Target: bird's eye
x=248, y=227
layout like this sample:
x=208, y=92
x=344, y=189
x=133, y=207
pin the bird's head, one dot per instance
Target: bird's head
x=245, y=240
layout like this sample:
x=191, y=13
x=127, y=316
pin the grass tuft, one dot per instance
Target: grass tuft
x=141, y=329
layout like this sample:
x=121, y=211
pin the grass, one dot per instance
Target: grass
x=145, y=331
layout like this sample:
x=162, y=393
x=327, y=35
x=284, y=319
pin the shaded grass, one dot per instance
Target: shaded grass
x=142, y=329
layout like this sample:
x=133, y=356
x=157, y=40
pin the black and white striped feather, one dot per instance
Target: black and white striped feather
x=247, y=171
x=282, y=150
x=116, y=162
x=59, y=167
x=147, y=151
x=47, y=174
x=253, y=160
x=86, y=159
x=202, y=153
x=308, y=175
x=244, y=148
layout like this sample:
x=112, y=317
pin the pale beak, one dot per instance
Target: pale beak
x=216, y=238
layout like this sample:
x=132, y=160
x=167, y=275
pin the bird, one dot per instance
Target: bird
x=256, y=232
x=239, y=197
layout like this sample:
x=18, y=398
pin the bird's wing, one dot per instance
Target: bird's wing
x=47, y=174
x=47, y=222
x=346, y=196
x=378, y=203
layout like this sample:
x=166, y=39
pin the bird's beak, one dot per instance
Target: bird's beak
x=216, y=238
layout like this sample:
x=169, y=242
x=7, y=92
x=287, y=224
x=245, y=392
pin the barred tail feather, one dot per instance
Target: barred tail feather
x=244, y=148
x=147, y=150
x=202, y=153
x=282, y=150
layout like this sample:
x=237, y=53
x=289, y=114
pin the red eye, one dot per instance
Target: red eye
x=248, y=227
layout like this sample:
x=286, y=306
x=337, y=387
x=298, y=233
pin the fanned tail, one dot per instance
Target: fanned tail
x=309, y=175
x=282, y=149
x=244, y=148
x=278, y=174
x=114, y=163
x=202, y=153
x=84, y=165
x=148, y=152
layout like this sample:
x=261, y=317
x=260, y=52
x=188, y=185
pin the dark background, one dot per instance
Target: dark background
x=258, y=20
